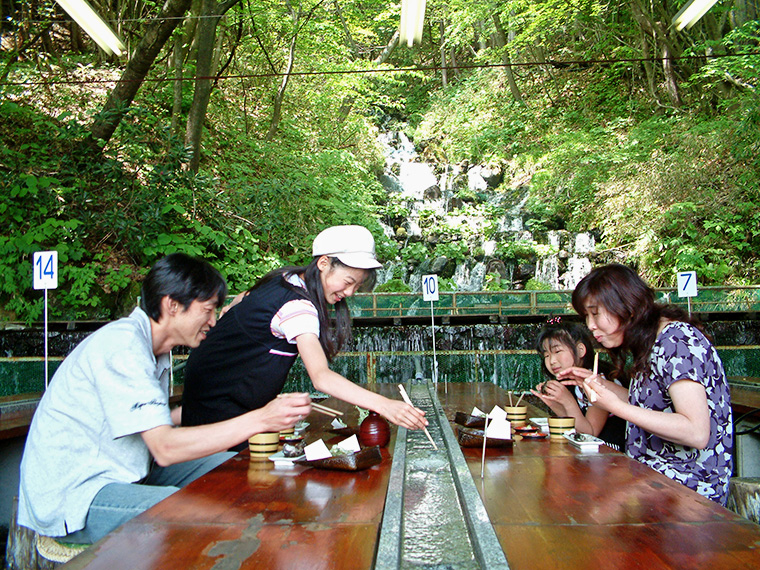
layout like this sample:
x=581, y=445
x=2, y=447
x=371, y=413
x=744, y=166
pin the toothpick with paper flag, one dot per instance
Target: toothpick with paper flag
x=83, y=14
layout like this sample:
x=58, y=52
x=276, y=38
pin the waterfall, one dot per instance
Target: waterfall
x=452, y=204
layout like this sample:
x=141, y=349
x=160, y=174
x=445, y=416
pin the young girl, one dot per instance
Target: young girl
x=678, y=408
x=568, y=345
x=244, y=362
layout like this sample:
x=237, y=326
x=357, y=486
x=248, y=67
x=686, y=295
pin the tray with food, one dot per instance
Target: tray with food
x=343, y=460
x=583, y=441
x=471, y=437
x=467, y=420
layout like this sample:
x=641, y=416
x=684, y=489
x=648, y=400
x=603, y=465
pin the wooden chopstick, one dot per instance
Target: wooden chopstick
x=408, y=401
x=325, y=410
x=591, y=393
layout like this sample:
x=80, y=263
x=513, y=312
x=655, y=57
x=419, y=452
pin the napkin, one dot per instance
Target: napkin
x=317, y=450
x=338, y=424
x=351, y=444
x=498, y=413
x=478, y=413
x=499, y=428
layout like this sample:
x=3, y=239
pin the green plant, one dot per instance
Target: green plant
x=415, y=253
x=393, y=286
x=452, y=250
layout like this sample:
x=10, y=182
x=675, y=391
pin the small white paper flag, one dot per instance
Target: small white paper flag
x=478, y=413
x=350, y=444
x=498, y=413
x=317, y=450
x=499, y=428
x=337, y=423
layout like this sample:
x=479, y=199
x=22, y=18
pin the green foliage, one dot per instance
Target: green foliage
x=446, y=285
x=515, y=250
x=415, y=253
x=494, y=282
x=393, y=286
x=452, y=250
x=720, y=246
x=537, y=285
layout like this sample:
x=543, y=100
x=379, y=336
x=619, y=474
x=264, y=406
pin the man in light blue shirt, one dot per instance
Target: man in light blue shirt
x=104, y=445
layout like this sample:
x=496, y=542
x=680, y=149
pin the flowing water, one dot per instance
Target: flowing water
x=430, y=188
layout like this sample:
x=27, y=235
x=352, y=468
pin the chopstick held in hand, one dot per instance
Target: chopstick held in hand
x=408, y=401
x=591, y=393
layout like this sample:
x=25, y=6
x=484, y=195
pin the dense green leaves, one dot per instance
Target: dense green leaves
x=593, y=131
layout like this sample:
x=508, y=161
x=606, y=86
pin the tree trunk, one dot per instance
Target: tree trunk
x=444, y=71
x=349, y=38
x=137, y=68
x=211, y=13
x=501, y=42
x=182, y=42
x=299, y=20
x=652, y=28
x=278, y=98
x=388, y=50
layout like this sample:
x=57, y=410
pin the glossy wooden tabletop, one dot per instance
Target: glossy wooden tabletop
x=555, y=507
x=551, y=507
x=251, y=514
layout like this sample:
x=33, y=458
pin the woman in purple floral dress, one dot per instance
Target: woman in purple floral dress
x=678, y=406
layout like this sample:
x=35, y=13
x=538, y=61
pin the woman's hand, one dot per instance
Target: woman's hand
x=402, y=414
x=573, y=376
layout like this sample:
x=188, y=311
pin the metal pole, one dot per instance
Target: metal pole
x=435, y=360
x=46, y=338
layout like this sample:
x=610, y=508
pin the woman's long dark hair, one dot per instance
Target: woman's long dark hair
x=332, y=338
x=624, y=294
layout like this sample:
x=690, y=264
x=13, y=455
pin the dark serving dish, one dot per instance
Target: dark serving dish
x=363, y=459
x=466, y=420
x=469, y=437
x=534, y=435
x=346, y=431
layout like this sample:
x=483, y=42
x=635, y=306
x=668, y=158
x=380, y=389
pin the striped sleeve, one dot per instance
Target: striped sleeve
x=295, y=318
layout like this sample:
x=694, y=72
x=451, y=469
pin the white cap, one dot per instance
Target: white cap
x=352, y=245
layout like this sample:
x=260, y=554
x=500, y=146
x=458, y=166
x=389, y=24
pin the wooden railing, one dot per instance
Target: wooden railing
x=523, y=303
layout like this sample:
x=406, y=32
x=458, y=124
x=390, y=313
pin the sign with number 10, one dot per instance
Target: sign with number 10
x=429, y=287
x=45, y=269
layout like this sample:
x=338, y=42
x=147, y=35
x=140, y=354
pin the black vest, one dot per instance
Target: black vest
x=241, y=365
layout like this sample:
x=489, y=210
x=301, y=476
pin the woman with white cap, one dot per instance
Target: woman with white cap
x=244, y=362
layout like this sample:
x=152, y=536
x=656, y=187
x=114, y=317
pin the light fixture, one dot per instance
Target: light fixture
x=96, y=28
x=412, y=19
x=691, y=13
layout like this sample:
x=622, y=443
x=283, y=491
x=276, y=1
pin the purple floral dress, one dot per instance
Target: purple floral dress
x=681, y=352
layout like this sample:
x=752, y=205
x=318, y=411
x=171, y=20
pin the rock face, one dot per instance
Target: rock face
x=470, y=226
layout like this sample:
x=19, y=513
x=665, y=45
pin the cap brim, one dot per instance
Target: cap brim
x=358, y=260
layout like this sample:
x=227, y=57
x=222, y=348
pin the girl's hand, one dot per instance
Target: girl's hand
x=235, y=301
x=553, y=391
x=547, y=395
x=402, y=414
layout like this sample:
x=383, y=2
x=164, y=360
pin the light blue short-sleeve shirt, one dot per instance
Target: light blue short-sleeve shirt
x=86, y=432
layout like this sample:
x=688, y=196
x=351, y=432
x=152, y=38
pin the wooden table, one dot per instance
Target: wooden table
x=249, y=514
x=551, y=507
